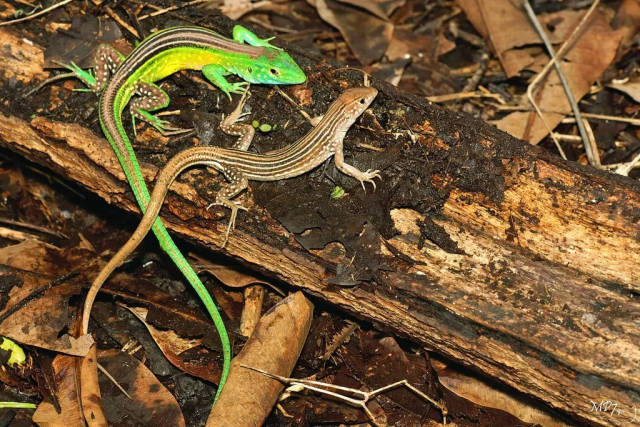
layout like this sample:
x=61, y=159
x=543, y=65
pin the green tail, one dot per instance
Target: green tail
x=141, y=194
x=166, y=242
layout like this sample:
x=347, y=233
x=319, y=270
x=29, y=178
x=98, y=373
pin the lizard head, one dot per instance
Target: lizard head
x=275, y=67
x=352, y=103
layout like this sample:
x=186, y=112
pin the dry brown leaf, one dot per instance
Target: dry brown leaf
x=30, y=255
x=389, y=72
x=484, y=394
x=631, y=88
x=90, y=390
x=253, y=300
x=36, y=313
x=151, y=404
x=230, y=276
x=628, y=20
x=585, y=63
x=65, y=374
x=204, y=366
x=506, y=26
x=405, y=43
x=236, y=9
x=367, y=35
x=274, y=347
x=380, y=8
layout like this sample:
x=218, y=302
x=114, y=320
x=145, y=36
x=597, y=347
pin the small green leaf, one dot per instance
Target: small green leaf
x=337, y=192
x=255, y=123
x=265, y=127
x=17, y=356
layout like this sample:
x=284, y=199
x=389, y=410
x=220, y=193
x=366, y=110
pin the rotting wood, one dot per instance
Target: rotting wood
x=536, y=288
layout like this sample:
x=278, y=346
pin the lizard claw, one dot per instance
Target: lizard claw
x=235, y=207
x=239, y=87
x=85, y=76
x=369, y=176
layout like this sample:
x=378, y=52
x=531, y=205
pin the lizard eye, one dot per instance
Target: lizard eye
x=362, y=101
x=274, y=71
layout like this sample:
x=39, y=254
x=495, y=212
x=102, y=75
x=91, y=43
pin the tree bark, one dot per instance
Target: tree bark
x=479, y=246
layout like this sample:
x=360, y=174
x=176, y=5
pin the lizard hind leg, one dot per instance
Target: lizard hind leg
x=150, y=98
x=237, y=183
x=106, y=61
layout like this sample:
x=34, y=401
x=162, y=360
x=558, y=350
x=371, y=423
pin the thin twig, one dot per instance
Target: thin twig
x=160, y=11
x=624, y=168
x=483, y=61
x=591, y=140
x=36, y=293
x=463, y=95
x=554, y=62
x=630, y=120
x=364, y=396
x=120, y=21
x=113, y=380
x=295, y=104
x=33, y=227
x=35, y=15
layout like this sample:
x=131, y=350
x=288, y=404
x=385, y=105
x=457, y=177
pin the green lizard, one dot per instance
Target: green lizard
x=158, y=56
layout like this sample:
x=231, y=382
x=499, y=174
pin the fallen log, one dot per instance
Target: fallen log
x=480, y=247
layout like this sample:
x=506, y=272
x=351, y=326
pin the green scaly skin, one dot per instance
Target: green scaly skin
x=158, y=56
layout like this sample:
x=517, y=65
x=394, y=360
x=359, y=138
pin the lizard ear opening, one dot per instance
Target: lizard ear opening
x=274, y=71
x=249, y=70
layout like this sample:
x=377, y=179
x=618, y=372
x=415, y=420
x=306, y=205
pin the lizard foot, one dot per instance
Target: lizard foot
x=235, y=207
x=368, y=176
x=239, y=87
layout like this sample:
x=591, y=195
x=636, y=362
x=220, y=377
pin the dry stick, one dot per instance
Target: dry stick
x=591, y=140
x=35, y=15
x=625, y=168
x=472, y=84
x=554, y=60
x=120, y=21
x=464, y=95
x=37, y=293
x=113, y=380
x=295, y=105
x=630, y=120
x=576, y=138
x=33, y=227
x=297, y=383
x=160, y=11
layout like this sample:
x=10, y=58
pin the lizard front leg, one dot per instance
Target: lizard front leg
x=347, y=169
x=244, y=131
x=215, y=74
x=243, y=35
